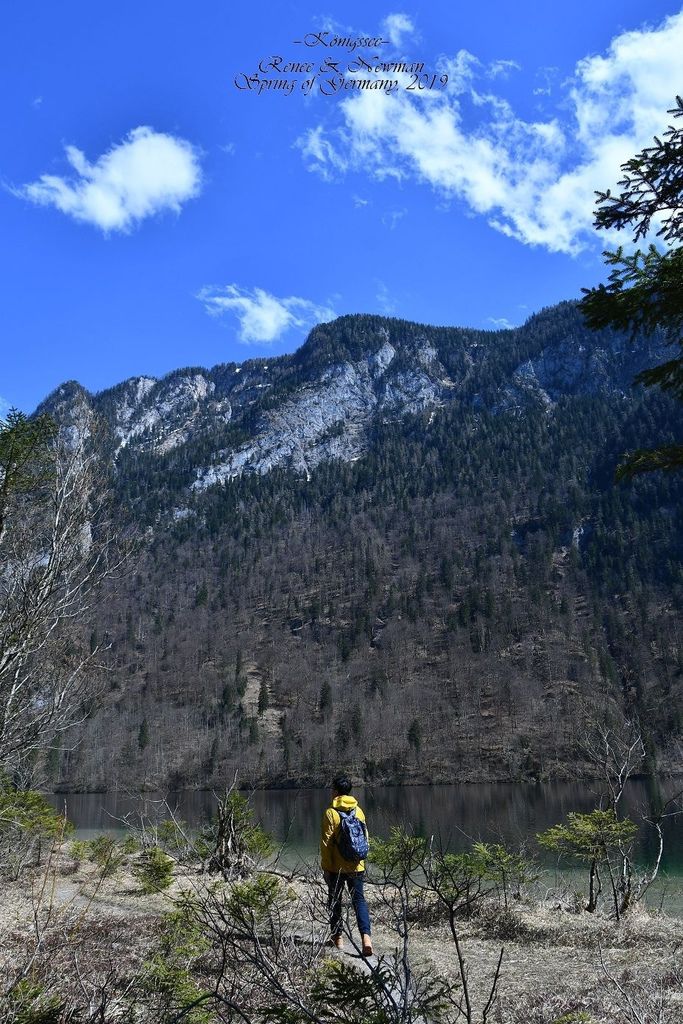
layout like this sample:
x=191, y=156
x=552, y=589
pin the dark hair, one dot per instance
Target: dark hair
x=343, y=784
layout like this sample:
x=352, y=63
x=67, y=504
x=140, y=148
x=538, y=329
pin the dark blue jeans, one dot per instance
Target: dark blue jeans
x=335, y=889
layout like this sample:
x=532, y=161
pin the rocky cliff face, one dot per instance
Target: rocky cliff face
x=296, y=412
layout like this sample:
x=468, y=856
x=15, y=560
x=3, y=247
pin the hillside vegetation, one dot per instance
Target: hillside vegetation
x=400, y=548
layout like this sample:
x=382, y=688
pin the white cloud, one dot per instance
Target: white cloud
x=396, y=26
x=547, y=76
x=384, y=298
x=4, y=407
x=501, y=323
x=533, y=180
x=461, y=71
x=358, y=202
x=502, y=68
x=320, y=154
x=144, y=174
x=263, y=317
x=392, y=218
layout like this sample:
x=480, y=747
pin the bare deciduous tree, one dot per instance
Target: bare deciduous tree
x=57, y=546
x=619, y=754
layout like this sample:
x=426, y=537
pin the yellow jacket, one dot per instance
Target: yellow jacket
x=330, y=858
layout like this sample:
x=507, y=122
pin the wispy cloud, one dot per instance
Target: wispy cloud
x=396, y=26
x=144, y=174
x=502, y=68
x=532, y=180
x=263, y=317
x=547, y=77
x=321, y=154
x=500, y=323
x=392, y=218
x=4, y=407
x=385, y=300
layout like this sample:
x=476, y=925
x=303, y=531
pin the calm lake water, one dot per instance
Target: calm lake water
x=455, y=815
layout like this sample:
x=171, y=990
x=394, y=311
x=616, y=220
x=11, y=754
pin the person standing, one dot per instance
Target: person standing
x=340, y=866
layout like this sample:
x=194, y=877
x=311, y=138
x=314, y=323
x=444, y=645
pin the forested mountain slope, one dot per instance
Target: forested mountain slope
x=399, y=548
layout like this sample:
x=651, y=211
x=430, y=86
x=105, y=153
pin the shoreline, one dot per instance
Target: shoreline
x=299, y=787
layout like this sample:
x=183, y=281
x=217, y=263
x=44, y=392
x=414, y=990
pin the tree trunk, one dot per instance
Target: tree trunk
x=595, y=887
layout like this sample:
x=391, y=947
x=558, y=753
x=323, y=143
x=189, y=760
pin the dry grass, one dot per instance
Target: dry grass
x=98, y=932
x=557, y=963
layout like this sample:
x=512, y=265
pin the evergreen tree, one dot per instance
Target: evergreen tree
x=645, y=289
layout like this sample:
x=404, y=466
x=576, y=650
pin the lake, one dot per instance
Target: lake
x=511, y=813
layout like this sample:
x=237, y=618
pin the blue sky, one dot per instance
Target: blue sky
x=154, y=215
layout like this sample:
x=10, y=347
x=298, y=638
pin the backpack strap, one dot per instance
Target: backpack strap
x=337, y=829
x=343, y=814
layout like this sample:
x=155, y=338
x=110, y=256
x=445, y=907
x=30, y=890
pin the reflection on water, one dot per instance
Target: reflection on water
x=455, y=815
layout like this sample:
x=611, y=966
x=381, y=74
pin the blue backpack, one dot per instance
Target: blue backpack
x=352, y=838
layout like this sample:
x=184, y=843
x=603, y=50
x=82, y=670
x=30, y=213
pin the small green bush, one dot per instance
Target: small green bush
x=175, y=994
x=399, y=856
x=509, y=872
x=28, y=1003
x=79, y=850
x=107, y=853
x=129, y=844
x=167, y=975
x=588, y=837
x=27, y=823
x=29, y=811
x=154, y=870
x=257, y=899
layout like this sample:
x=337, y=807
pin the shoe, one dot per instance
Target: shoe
x=337, y=941
x=367, y=945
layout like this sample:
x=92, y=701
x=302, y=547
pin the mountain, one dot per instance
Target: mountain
x=399, y=548
x=323, y=402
